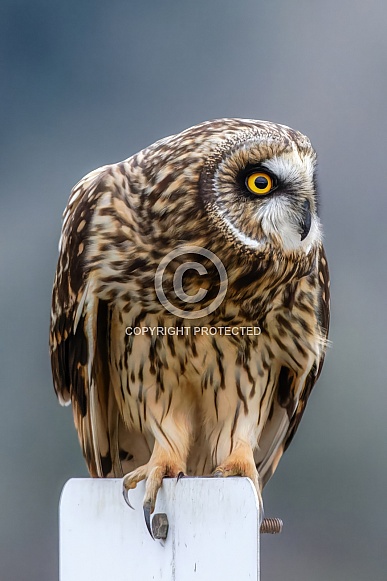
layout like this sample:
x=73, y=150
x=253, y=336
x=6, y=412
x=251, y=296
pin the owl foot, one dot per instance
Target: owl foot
x=241, y=463
x=228, y=469
x=153, y=473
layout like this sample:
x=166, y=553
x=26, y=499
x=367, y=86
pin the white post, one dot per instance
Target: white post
x=213, y=531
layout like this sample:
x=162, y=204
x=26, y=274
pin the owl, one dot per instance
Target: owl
x=190, y=307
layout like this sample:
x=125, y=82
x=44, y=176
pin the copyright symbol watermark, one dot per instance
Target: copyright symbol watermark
x=169, y=280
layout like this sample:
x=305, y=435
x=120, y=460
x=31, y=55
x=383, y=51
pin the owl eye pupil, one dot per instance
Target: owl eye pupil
x=261, y=182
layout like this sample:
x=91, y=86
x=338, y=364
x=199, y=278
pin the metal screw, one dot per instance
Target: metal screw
x=160, y=526
x=272, y=526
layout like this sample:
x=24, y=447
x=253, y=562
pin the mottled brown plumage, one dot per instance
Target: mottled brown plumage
x=154, y=405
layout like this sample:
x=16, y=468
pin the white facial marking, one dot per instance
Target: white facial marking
x=278, y=219
x=246, y=240
x=291, y=166
x=276, y=215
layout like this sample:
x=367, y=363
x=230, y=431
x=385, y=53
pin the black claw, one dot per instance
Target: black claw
x=180, y=475
x=147, y=516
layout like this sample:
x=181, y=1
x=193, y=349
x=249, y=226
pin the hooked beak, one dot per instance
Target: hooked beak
x=306, y=221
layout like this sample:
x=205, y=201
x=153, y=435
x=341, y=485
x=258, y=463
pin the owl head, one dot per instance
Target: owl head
x=259, y=188
x=254, y=180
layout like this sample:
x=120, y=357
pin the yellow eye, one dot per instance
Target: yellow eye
x=259, y=183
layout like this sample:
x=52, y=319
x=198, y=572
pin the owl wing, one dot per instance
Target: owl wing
x=80, y=338
x=324, y=319
x=282, y=426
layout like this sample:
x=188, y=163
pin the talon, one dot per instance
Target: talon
x=218, y=474
x=147, y=514
x=125, y=494
x=180, y=475
x=130, y=481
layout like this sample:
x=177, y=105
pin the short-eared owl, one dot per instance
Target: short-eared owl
x=189, y=389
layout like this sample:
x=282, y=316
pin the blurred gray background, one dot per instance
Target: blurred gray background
x=87, y=83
